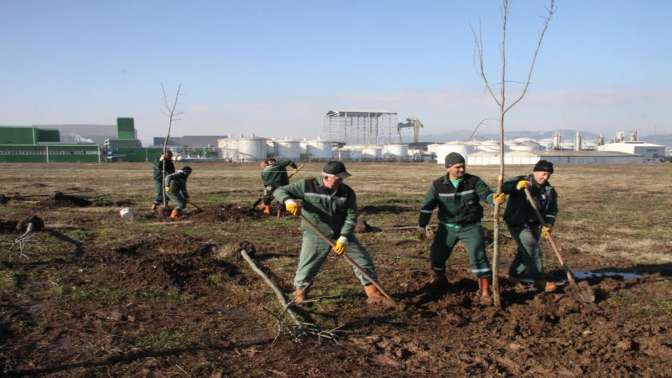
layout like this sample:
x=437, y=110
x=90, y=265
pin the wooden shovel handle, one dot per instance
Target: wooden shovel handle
x=549, y=237
x=347, y=258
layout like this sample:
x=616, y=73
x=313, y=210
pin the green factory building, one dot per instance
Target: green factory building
x=43, y=145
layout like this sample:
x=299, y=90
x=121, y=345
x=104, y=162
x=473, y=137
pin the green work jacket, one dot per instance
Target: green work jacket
x=333, y=212
x=457, y=206
x=518, y=210
x=276, y=175
x=178, y=183
x=157, y=166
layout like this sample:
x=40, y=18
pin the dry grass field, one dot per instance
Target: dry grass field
x=96, y=295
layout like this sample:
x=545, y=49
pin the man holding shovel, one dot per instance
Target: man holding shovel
x=524, y=224
x=458, y=194
x=165, y=160
x=330, y=205
x=274, y=175
x=176, y=189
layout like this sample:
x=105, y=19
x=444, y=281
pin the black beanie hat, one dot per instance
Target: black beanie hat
x=543, y=166
x=454, y=158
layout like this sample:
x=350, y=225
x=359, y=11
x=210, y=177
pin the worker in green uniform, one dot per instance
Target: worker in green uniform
x=163, y=164
x=457, y=196
x=330, y=205
x=274, y=175
x=176, y=189
x=524, y=224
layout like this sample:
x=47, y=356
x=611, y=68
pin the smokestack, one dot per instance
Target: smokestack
x=577, y=141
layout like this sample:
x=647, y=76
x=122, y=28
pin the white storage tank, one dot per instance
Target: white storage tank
x=288, y=149
x=319, y=150
x=228, y=148
x=372, y=152
x=447, y=148
x=395, y=151
x=252, y=149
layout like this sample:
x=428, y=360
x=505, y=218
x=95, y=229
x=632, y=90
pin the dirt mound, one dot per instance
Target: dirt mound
x=226, y=213
x=152, y=244
x=180, y=262
x=363, y=226
x=64, y=200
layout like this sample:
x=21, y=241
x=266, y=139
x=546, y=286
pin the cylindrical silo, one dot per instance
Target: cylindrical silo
x=252, y=149
x=288, y=149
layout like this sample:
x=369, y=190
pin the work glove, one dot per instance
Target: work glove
x=545, y=231
x=292, y=207
x=499, y=198
x=341, y=246
x=425, y=233
x=522, y=184
x=162, y=157
x=167, y=189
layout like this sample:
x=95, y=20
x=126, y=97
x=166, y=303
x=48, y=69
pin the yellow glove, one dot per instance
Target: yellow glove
x=162, y=157
x=499, y=198
x=341, y=246
x=167, y=189
x=292, y=207
x=522, y=184
x=545, y=231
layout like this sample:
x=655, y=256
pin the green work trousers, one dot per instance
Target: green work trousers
x=472, y=237
x=528, y=256
x=158, y=189
x=314, y=252
x=179, y=199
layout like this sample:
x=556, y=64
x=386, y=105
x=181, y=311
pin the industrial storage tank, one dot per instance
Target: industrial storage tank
x=288, y=149
x=447, y=148
x=318, y=150
x=395, y=151
x=489, y=146
x=228, y=149
x=372, y=152
x=252, y=149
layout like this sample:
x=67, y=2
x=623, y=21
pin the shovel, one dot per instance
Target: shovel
x=300, y=167
x=198, y=208
x=348, y=259
x=583, y=292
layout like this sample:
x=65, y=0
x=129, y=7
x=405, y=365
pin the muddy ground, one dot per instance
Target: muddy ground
x=94, y=295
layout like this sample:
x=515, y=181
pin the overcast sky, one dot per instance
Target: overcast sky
x=275, y=67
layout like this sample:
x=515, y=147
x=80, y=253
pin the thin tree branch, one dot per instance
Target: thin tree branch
x=547, y=20
x=478, y=43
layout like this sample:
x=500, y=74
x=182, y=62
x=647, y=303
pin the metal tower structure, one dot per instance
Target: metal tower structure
x=359, y=127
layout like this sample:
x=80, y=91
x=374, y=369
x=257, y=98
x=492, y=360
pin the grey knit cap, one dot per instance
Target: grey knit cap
x=454, y=158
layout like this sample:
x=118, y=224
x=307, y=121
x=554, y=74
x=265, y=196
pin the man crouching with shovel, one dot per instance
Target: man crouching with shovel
x=329, y=211
x=524, y=225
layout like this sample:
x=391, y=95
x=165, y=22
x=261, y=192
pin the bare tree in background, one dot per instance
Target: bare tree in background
x=504, y=107
x=169, y=111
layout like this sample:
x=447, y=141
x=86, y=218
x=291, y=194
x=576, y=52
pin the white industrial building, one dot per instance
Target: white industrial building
x=648, y=151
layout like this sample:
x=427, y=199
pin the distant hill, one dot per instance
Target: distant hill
x=664, y=139
x=465, y=134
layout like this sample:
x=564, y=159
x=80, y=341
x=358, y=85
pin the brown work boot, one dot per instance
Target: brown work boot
x=546, y=286
x=375, y=297
x=175, y=214
x=300, y=295
x=484, y=291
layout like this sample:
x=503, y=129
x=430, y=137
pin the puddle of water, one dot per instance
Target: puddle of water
x=586, y=275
